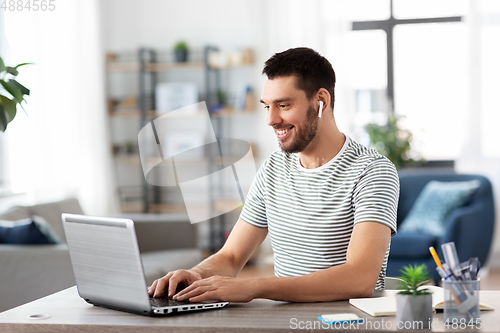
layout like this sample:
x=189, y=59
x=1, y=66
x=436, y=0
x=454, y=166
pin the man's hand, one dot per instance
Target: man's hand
x=218, y=287
x=179, y=278
x=242, y=242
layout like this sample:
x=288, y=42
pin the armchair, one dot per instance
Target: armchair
x=470, y=226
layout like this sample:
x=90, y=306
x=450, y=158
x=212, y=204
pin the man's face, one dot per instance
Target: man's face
x=292, y=116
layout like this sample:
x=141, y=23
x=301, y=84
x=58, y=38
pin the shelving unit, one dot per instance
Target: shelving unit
x=143, y=69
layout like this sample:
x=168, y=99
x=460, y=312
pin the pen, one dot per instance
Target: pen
x=451, y=258
x=455, y=290
x=458, y=294
x=444, y=275
x=435, y=256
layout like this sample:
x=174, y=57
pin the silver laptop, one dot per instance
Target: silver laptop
x=108, y=268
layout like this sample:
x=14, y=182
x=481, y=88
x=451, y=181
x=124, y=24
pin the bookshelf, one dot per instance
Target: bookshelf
x=138, y=73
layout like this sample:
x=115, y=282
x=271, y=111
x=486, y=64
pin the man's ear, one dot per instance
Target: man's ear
x=323, y=96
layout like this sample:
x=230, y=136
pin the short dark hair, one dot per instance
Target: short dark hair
x=313, y=71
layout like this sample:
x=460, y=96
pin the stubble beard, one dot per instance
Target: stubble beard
x=304, y=134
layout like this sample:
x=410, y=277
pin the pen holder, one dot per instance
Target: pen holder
x=461, y=301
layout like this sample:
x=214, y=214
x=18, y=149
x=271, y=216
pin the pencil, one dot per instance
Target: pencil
x=435, y=256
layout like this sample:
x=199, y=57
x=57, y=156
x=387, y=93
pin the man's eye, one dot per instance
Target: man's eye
x=266, y=107
x=283, y=106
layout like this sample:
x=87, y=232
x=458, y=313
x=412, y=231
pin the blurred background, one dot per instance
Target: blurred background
x=427, y=70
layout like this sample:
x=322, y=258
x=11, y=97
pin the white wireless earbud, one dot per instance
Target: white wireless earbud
x=320, y=109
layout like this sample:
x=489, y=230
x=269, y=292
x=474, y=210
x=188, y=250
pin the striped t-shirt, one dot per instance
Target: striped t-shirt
x=310, y=213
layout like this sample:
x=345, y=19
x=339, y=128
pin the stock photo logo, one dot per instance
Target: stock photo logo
x=214, y=176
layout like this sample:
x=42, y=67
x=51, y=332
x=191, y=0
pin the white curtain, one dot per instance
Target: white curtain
x=61, y=149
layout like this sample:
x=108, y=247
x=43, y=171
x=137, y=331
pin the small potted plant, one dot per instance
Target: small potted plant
x=414, y=304
x=181, y=51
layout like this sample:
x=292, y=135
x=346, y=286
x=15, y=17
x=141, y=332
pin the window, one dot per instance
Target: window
x=410, y=9
x=430, y=86
x=490, y=88
x=425, y=67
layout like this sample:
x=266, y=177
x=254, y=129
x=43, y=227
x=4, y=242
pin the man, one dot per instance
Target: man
x=328, y=203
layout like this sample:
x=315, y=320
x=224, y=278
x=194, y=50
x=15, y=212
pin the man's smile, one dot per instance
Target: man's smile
x=283, y=133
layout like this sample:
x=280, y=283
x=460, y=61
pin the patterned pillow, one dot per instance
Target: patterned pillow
x=434, y=204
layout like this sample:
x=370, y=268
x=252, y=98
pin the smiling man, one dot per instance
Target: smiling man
x=328, y=203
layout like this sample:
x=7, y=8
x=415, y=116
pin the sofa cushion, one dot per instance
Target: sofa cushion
x=16, y=213
x=52, y=211
x=434, y=204
x=46, y=229
x=412, y=245
x=22, y=232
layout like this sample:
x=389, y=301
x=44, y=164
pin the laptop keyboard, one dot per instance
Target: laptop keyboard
x=162, y=302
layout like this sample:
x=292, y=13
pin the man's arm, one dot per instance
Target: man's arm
x=228, y=261
x=356, y=278
x=239, y=247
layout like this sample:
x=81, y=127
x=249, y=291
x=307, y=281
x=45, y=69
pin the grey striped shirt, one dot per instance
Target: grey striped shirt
x=310, y=213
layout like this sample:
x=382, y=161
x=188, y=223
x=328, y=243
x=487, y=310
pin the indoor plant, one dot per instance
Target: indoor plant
x=15, y=90
x=181, y=51
x=414, y=304
x=391, y=141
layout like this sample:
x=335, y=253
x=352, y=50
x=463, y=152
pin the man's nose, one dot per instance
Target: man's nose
x=273, y=116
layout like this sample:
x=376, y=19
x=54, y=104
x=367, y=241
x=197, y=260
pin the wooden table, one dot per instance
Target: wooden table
x=69, y=313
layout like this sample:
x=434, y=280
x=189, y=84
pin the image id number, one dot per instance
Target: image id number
x=28, y=5
x=462, y=323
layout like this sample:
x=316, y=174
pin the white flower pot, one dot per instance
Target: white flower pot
x=414, y=312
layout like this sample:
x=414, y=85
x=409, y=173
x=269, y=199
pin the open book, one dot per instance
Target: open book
x=386, y=306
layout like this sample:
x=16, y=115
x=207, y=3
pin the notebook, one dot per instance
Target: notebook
x=386, y=306
x=108, y=268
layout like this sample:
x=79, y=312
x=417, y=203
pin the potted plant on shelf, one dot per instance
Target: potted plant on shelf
x=414, y=304
x=181, y=51
x=15, y=90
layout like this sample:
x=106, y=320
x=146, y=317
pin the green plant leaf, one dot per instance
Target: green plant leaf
x=12, y=70
x=9, y=107
x=391, y=141
x=22, y=107
x=23, y=64
x=413, y=278
x=181, y=46
x=15, y=92
x=23, y=89
x=2, y=65
x=3, y=119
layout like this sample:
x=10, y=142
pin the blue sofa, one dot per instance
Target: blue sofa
x=470, y=226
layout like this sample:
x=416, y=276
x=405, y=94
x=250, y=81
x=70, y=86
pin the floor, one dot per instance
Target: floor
x=490, y=282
